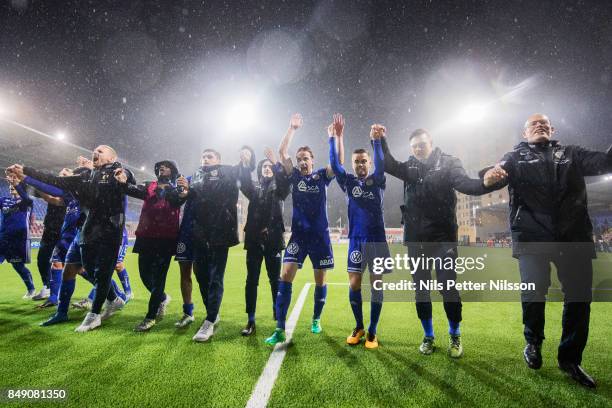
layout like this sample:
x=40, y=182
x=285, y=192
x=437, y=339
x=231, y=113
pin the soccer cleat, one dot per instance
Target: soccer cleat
x=427, y=346
x=185, y=321
x=371, y=341
x=111, y=307
x=533, y=355
x=43, y=294
x=55, y=319
x=455, y=349
x=249, y=329
x=205, y=333
x=316, y=326
x=84, y=304
x=145, y=325
x=163, y=308
x=277, y=337
x=577, y=373
x=355, y=337
x=29, y=294
x=46, y=304
x=91, y=321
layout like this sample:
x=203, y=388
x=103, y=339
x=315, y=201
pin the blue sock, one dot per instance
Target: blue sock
x=320, y=294
x=375, y=308
x=92, y=294
x=428, y=327
x=55, y=282
x=118, y=291
x=66, y=291
x=453, y=328
x=125, y=281
x=283, y=299
x=188, y=309
x=25, y=275
x=251, y=317
x=356, y=306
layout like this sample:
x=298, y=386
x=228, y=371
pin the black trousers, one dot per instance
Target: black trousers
x=576, y=276
x=99, y=259
x=209, y=268
x=43, y=260
x=450, y=297
x=153, y=268
x=254, y=258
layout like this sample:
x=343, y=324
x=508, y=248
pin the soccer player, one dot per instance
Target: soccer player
x=213, y=193
x=15, y=232
x=550, y=223
x=72, y=260
x=309, y=230
x=52, y=225
x=156, y=234
x=263, y=232
x=101, y=234
x=184, y=256
x=430, y=226
x=68, y=231
x=364, y=193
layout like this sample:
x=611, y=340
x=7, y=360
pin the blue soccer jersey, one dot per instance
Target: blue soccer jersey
x=16, y=215
x=364, y=197
x=309, y=201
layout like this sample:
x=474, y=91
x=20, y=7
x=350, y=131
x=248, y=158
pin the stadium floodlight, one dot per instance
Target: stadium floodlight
x=472, y=113
x=142, y=168
x=240, y=116
x=60, y=136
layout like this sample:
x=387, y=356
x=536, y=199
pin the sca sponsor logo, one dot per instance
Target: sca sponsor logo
x=358, y=192
x=293, y=248
x=180, y=248
x=326, y=262
x=305, y=188
x=355, y=257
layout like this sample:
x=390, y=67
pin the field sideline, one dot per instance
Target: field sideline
x=113, y=366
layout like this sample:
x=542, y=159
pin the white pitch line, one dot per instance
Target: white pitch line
x=265, y=383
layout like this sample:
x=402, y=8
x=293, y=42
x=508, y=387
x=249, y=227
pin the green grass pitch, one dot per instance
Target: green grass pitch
x=113, y=366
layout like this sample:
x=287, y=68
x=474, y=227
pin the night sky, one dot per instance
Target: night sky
x=159, y=79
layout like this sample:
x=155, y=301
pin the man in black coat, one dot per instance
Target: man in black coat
x=430, y=225
x=213, y=195
x=263, y=232
x=102, y=233
x=549, y=222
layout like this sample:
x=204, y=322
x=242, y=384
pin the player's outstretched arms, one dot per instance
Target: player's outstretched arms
x=593, y=163
x=295, y=123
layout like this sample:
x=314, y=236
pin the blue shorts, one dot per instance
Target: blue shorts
x=184, y=250
x=316, y=246
x=123, y=249
x=59, y=253
x=362, y=252
x=15, y=250
x=73, y=256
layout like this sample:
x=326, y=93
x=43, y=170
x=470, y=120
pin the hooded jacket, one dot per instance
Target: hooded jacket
x=264, y=226
x=159, y=217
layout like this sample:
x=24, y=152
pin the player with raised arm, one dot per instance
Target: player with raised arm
x=309, y=229
x=364, y=193
x=15, y=232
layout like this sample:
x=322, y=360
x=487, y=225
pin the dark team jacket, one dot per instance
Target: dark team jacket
x=548, y=200
x=429, y=210
x=213, y=192
x=264, y=226
x=102, y=198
